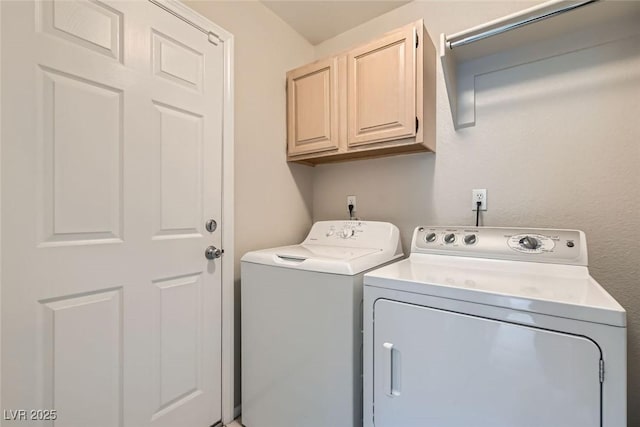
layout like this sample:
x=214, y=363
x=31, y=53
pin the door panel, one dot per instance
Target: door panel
x=433, y=367
x=177, y=62
x=93, y=25
x=382, y=89
x=312, y=112
x=111, y=162
x=178, y=339
x=179, y=165
x=90, y=393
x=82, y=137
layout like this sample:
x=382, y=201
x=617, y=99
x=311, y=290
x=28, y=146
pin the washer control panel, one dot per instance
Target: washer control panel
x=343, y=230
x=520, y=244
x=357, y=234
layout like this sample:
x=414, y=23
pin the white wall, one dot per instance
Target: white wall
x=272, y=198
x=557, y=144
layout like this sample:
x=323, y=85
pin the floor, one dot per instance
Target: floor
x=235, y=423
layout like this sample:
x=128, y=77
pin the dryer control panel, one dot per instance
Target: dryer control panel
x=517, y=244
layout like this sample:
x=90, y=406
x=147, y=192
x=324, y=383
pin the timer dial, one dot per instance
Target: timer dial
x=529, y=242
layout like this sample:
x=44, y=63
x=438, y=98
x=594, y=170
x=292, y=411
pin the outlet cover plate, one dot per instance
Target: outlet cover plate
x=351, y=200
x=479, y=195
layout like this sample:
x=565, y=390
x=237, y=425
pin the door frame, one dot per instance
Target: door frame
x=227, y=261
x=1, y=206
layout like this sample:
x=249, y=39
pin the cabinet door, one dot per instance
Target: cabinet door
x=445, y=369
x=312, y=108
x=382, y=89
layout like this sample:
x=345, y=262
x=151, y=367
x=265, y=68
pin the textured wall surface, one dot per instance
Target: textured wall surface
x=272, y=198
x=556, y=144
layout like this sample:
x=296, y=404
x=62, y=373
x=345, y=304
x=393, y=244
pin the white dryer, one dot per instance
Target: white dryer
x=302, y=325
x=493, y=327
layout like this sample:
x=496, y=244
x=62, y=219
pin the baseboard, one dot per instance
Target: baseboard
x=237, y=411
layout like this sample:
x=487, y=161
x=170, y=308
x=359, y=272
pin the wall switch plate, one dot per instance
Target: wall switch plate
x=351, y=200
x=479, y=196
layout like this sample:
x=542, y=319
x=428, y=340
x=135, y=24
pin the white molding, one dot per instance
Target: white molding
x=227, y=223
x=228, y=260
x=1, y=99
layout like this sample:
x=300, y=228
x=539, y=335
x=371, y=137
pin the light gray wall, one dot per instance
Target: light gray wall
x=272, y=197
x=557, y=144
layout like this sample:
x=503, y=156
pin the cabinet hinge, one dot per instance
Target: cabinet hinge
x=601, y=370
x=417, y=124
x=417, y=39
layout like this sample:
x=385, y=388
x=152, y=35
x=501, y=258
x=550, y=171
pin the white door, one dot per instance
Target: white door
x=111, y=163
x=444, y=369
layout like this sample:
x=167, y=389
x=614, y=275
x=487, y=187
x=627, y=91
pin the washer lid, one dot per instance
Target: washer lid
x=338, y=247
x=325, y=259
x=325, y=253
x=559, y=290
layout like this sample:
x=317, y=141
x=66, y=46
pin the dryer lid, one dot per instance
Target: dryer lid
x=558, y=290
x=528, y=269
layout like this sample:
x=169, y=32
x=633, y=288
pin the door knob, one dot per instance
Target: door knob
x=212, y=252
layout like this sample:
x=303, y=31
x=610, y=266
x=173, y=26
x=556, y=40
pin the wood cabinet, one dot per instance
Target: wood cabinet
x=375, y=100
x=381, y=89
x=312, y=113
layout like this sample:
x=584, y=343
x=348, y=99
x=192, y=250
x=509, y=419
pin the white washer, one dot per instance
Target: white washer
x=302, y=325
x=493, y=327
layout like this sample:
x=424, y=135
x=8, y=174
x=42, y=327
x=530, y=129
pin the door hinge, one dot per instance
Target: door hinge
x=417, y=124
x=601, y=370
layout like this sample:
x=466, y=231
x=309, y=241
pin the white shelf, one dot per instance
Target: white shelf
x=591, y=25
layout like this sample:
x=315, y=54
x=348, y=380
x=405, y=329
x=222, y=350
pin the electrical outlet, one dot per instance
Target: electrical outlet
x=479, y=196
x=351, y=200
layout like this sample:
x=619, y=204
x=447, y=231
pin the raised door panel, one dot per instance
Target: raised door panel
x=178, y=342
x=382, y=89
x=91, y=24
x=82, y=358
x=81, y=130
x=178, y=167
x=430, y=363
x=312, y=114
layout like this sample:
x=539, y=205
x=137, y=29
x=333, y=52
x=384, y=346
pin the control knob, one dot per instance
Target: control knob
x=431, y=237
x=449, y=238
x=530, y=243
x=346, y=233
x=470, y=239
